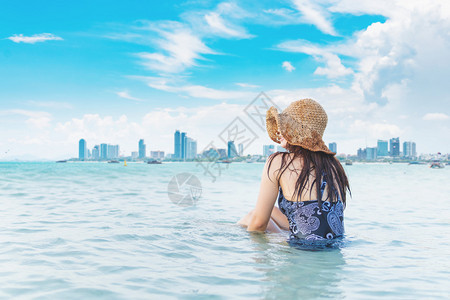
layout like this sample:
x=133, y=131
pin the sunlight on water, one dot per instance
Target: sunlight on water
x=97, y=230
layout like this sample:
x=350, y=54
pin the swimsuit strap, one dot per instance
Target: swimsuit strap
x=322, y=188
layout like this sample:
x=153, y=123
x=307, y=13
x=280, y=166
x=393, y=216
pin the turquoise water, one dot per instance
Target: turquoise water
x=105, y=231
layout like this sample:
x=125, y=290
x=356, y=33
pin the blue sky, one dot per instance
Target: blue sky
x=117, y=71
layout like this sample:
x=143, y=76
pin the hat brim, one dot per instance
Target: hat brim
x=308, y=139
x=272, y=123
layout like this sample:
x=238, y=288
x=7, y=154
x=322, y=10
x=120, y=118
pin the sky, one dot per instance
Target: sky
x=118, y=71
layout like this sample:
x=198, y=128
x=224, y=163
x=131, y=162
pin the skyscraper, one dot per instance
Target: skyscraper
x=191, y=148
x=113, y=151
x=394, y=147
x=177, y=144
x=232, y=152
x=222, y=152
x=409, y=149
x=96, y=152
x=104, y=151
x=241, y=149
x=82, y=149
x=371, y=153
x=183, y=145
x=333, y=147
x=157, y=154
x=382, y=148
x=362, y=153
x=142, y=149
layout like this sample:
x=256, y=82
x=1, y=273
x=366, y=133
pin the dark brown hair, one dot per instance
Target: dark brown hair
x=321, y=166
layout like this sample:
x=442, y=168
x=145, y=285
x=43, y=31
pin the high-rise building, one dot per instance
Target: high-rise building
x=241, y=149
x=103, y=151
x=134, y=154
x=382, y=148
x=177, y=144
x=82, y=149
x=113, y=152
x=142, y=149
x=96, y=152
x=232, y=152
x=268, y=150
x=211, y=153
x=191, y=148
x=333, y=147
x=157, y=154
x=406, y=149
x=222, y=152
x=394, y=147
x=409, y=149
x=371, y=153
x=183, y=145
x=361, y=154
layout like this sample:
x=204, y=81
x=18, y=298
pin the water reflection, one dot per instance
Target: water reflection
x=297, y=274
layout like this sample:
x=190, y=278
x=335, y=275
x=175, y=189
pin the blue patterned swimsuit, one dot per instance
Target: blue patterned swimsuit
x=308, y=224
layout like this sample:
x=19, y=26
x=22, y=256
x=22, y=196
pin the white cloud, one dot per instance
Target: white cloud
x=288, y=66
x=182, y=50
x=333, y=65
x=435, y=117
x=126, y=95
x=196, y=91
x=36, y=119
x=247, y=85
x=315, y=14
x=410, y=48
x=42, y=37
x=180, y=45
x=334, y=68
x=218, y=26
x=374, y=130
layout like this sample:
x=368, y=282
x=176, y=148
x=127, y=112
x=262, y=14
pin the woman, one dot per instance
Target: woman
x=308, y=181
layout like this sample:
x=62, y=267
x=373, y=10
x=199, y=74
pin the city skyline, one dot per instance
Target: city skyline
x=188, y=151
x=137, y=70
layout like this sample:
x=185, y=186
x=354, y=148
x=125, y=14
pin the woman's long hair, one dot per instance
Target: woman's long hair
x=321, y=166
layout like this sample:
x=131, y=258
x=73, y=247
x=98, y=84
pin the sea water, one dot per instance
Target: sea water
x=109, y=231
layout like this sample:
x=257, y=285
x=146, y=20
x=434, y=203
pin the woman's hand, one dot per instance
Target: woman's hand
x=245, y=220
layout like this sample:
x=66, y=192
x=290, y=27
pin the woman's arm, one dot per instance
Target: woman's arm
x=268, y=193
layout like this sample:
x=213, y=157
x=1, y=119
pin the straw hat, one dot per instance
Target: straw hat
x=302, y=123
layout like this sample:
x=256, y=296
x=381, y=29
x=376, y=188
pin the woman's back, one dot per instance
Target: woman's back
x=289, y=178
x=310, y=220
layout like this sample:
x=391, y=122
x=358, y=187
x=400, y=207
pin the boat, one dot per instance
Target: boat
x=348, y=162
x=61, y=161
x=154, y=162
x=113, y=162
x=225, y=161
x=436, y=165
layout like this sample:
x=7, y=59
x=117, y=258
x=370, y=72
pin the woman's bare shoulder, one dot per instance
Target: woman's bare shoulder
x=273, y=164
